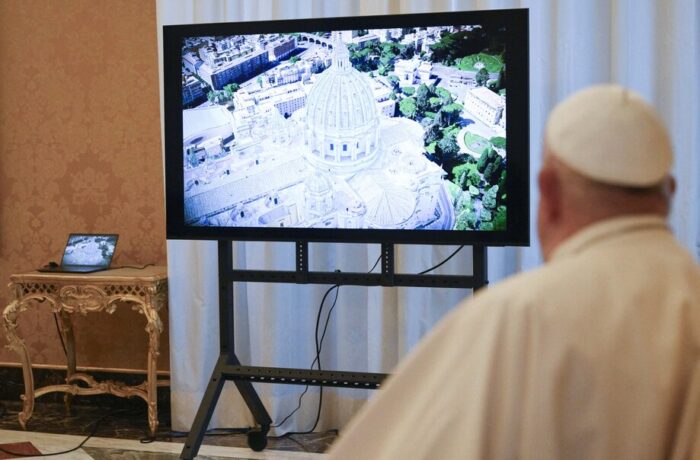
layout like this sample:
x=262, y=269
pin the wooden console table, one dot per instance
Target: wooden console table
x=144, y=290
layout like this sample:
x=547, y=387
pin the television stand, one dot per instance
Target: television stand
x=229, y=368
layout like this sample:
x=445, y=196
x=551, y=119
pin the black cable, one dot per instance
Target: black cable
x=375, y=264
x=183, y=434
x=316, y=361
x=319, y=342
x=87, y=438
x=131, y=266
x=443, y=262
x=60, y=334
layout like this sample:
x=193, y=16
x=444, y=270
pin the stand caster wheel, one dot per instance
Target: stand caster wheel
x=257, y=440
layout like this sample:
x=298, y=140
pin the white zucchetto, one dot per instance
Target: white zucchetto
x=609, y=134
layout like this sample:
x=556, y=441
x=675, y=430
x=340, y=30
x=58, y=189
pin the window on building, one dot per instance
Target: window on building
x=345, y=147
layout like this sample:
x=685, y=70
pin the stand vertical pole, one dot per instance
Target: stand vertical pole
x=480, y=266
x=226, y=343
x=227, y=358
x=388, y=264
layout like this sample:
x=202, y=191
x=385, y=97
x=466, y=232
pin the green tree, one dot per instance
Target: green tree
x=462, y=170
x=492, y=171
x=499, y=218
x=294, y=59
x=474, y=178
x=260, y=81
x=408, y=51
x=447, y=154
x=442, y=49
x=455, y=193
x=466, y=175
x=230, y=89
x=422, y=95
x=445, y=95
x=502, y=181
x=498, y=142
x=472, y=221
x=407, y=107
x=464, y=202
x=394, y=80
x=408, y=90
x=482, y=76
x=466, y=219
x=489, y=201
x=462, y=220
x=385, y=60
x=486, y=157
x=448, y=146
x=452, y=112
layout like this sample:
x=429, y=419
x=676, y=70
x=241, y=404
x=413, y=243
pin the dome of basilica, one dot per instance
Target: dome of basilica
x=342, y=125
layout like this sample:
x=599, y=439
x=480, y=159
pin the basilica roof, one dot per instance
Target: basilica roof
x=341, y=99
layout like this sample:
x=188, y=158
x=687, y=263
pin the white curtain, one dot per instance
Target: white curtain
x=650, y=46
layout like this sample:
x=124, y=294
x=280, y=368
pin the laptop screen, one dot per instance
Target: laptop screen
x=93, y=250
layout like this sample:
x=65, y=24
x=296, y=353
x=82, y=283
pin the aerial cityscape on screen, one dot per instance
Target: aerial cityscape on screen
x=94, y=250
x=376, y=128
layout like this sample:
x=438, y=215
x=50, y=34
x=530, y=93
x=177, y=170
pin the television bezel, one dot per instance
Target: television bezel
x=517, y=231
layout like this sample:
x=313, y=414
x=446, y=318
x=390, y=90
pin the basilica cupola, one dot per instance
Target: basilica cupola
x=342, y=120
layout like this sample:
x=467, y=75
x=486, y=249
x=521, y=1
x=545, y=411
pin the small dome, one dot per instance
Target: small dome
x=318, y=184
x=388, y=205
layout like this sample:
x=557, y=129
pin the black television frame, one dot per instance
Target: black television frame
x=517, y=231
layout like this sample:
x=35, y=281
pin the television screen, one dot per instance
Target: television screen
x=403, y=129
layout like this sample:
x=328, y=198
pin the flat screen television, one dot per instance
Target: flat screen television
x=385, y=129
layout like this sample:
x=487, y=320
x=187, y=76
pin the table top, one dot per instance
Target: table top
x=151, y=273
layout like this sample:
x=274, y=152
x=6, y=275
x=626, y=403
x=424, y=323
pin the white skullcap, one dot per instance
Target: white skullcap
x=610, y=134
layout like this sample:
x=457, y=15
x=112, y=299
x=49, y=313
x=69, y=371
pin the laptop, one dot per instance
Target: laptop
x=85, y=253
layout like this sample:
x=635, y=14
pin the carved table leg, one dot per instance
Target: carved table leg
x=154, y=327
x=9, y=323
x=69, y=341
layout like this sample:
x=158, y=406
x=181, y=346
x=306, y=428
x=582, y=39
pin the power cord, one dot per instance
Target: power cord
x=183, y=434
x=60, y=334
x=443, y=262
x=131, y=266
x=317, y=360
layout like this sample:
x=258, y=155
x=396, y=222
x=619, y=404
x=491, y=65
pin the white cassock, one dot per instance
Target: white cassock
x=594, y=356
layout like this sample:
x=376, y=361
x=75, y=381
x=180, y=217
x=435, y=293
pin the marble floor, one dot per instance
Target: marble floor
x=119, y=436
x=98, y=448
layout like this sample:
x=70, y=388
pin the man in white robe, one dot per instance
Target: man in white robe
x=596, y=355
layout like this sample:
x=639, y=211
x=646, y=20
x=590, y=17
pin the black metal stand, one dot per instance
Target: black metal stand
x=229, y=368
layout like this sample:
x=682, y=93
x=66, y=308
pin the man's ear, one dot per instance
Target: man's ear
x=550, y=193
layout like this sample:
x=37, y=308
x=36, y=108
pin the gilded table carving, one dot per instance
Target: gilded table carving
x=145, y=291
